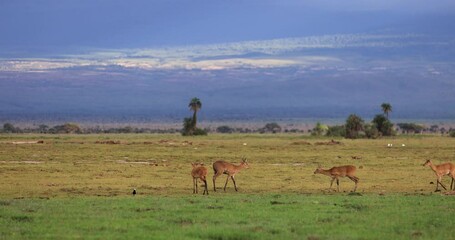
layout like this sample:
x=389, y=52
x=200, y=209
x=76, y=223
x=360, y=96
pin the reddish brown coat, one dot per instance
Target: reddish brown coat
x=222, y=167
x=440, y=171
x=341, y=171
x=199, y=172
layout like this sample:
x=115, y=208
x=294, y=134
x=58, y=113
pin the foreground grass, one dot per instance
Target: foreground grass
x=230, y=216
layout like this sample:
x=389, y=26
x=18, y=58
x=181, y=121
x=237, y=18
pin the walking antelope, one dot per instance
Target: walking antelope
x=199, y=172
x=441, y=170
x=222, y=167
x=341, y=171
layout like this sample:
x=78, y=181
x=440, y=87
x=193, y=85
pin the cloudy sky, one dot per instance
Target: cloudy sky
x=225, y=52
x=139, y=23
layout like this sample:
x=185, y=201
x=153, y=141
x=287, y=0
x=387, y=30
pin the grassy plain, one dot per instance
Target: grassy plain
x=78, y=186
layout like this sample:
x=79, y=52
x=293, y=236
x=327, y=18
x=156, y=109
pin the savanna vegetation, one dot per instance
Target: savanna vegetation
x=80, y=186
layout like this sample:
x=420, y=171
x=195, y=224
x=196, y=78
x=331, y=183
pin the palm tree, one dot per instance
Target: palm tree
x=386, y=108
x=195, y=105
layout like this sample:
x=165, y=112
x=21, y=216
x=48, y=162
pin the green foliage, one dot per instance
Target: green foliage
x=190, y=130
x=319, y=129
x=411, y=127
x=9, y=128
x=386, y=108
x=224, y=129
x=195, y=104
x=371, y=131
x=42, y=128
x=271, y=128
x=189, y=124
x=66, y=128
x=354, y=126
x=336, y=131
x=452, y=133
x=187, y=127
x=383, y=125
x=200, y=132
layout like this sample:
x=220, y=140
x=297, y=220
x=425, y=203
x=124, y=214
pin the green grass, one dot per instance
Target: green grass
x=73, y=186
x=230, y=216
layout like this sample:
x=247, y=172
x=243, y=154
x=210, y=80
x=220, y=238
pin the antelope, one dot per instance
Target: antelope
x=440, y=171
x=222, y=167
x=199, y=171
x=341, y=171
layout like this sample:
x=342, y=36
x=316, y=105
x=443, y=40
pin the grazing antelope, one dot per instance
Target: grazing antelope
x=441, y=170
x=341, y=171
x=222, y=167
x=199, y=171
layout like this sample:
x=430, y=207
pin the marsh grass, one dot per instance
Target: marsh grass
x=79, y=186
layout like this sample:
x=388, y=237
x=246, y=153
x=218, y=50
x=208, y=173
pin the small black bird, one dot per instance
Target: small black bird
x=134, y=192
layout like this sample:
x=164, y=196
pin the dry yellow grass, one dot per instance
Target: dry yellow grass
x=112, y=165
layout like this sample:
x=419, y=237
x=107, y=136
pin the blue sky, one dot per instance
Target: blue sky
x=71, y=24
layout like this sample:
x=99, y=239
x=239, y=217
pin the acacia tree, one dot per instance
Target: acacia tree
x=354, y=124
x=386, y=108
x=9, y=128
x=194, y=105
x=272, y=127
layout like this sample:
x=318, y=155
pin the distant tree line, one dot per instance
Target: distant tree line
x=354, y=127
x=270, y=128
x=73, y=128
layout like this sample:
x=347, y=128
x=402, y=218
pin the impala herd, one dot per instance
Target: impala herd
x=222, y=167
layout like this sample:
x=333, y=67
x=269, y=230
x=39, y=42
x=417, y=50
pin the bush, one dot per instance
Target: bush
x=354, y=125
x=9, y=128
x=271, y=127
x=66, y=128
x=371, y=131
x=224, y=129
x=187, y=127
x=411, y=127
x=383, y=125
x=452, y=133
x=319, y=129
x=336, y=131
x=200, y=132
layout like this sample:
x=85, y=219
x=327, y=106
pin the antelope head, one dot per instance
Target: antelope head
x=318, y=170
x=244, y=163
x=197, y=165
x=428, y=162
